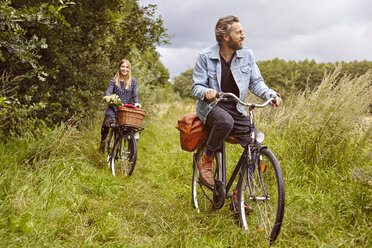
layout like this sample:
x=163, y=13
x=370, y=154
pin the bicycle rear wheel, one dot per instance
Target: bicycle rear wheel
x=124, y=155
x=202, y=195
x=263, y=190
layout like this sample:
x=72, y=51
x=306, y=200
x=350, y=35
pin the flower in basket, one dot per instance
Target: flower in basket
x=114, y=100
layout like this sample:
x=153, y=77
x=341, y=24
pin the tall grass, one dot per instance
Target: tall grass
x=56, y=190
x=45, y=179
x=323, y=125
x=324, y=145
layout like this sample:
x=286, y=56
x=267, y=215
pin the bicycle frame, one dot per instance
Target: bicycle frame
x=247, y=157
x=244, y=163
x=123, y=129
x=120, y=131
x=117, y=153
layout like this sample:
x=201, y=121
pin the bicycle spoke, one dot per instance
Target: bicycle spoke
x=264, y=219
x=202, y=186
x=264, y=191
x=110, y=146
x=202, y=195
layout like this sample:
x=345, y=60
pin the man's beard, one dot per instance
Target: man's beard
x=234, y=45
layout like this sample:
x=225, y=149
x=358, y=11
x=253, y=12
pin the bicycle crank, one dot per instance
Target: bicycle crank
x=219, y=192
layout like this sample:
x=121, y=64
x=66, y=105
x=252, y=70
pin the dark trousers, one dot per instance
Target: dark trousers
x=106, y=127
x=225, y=120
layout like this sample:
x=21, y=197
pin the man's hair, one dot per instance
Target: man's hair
x=223, y=26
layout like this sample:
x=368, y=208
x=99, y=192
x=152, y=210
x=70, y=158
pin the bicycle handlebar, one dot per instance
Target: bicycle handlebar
x=221, y=96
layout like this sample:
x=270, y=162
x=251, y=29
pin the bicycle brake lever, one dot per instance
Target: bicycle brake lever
x=214, y=102
x=218, y=99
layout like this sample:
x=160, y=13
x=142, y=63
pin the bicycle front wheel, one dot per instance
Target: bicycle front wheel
x=110, y=145
x=124, y=155
x=262, y=187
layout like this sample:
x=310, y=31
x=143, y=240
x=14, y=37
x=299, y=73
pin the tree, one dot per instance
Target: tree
x=183, y=82
x=17, y=44
x=286, y=77
x=69, y=50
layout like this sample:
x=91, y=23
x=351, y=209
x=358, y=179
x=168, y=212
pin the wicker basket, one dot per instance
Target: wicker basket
x=130, y=116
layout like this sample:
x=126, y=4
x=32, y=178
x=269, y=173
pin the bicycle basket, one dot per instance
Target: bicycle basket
x=130, y=116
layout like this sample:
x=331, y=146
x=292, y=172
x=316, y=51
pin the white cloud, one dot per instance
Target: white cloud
x=178, y=60
x=331, y=30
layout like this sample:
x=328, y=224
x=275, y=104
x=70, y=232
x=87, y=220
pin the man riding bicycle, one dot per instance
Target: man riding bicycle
x=227, y=67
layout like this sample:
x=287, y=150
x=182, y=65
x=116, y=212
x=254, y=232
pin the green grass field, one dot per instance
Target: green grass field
x=57, y=191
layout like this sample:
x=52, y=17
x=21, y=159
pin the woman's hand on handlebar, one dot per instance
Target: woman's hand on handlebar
x=210, y=95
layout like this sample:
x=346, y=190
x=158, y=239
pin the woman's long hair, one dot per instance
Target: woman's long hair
x=120, y=77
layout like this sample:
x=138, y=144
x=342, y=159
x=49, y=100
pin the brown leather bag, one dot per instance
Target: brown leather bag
x=192, y=131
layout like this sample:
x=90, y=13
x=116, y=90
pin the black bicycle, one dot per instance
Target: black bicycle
x=259, y=193
x=122, y=149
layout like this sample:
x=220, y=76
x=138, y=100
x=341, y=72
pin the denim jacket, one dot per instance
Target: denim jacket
x=207, y=75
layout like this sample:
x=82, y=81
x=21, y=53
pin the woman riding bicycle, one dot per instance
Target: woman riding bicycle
x=124, y=86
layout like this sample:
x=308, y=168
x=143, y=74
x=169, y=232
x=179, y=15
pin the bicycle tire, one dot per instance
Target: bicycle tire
x=202, y=195
x=110, y=144
x=124, y=155
x=266, y=197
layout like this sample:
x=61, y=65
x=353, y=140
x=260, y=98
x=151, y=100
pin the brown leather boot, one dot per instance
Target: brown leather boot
x=205, y=170
x=234, y=206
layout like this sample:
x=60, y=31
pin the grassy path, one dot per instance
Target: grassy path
x=56, y=191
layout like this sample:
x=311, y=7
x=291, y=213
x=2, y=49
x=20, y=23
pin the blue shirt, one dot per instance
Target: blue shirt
x=207, y=75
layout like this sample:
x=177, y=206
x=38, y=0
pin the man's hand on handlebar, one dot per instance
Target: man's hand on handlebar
x=210, y=95
x=277, y=101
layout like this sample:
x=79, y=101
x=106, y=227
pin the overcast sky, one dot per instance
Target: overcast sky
x=323, y=30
